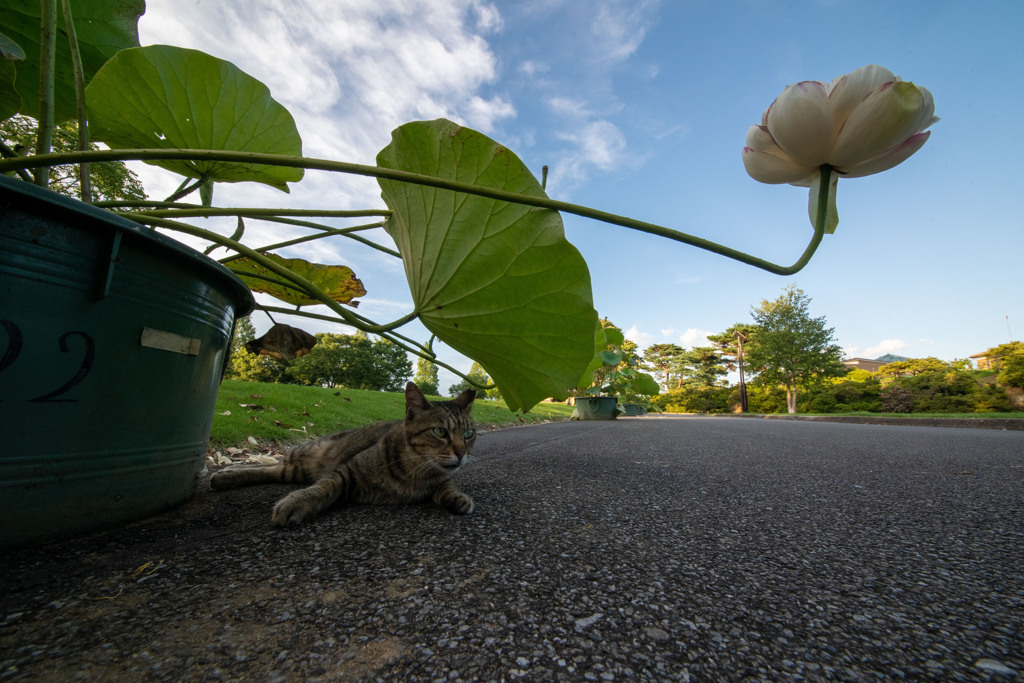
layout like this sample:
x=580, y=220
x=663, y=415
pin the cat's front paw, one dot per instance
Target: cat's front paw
x=453, y=500
x=460, y=504
x=291, y=510
x=225, y=479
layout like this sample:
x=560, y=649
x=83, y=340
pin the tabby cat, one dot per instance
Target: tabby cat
x=404, y=461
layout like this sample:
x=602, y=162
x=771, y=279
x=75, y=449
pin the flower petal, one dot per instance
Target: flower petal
x=893, y=157
x=768, y=168
x=800, y=122
x=760, y=139
x=847, y=91
x=884, y=119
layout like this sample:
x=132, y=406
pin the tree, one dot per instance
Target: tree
x=426, y=377
x=110, y=180
x=790, y=348
x=353, y=361
x=251, y=367
x=1010, y=361
x=662, y=360
x=701, y=367
x=477, y=378
x=911, y=367
x=730, y=345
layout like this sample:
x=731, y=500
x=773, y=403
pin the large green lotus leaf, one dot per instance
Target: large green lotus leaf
x=496, y=281
x=10, y=100
x=338, y=282
x=103, y=27
x=603, y=338
x=646, y=385
x=170, y=97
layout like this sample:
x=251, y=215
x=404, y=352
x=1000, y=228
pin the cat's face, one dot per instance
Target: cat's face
x=442, y=432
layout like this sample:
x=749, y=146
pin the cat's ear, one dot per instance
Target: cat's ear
x=465, y=400
x=415, y=401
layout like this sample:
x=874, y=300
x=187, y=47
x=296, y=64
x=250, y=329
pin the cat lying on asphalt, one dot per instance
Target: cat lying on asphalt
x=405, y=461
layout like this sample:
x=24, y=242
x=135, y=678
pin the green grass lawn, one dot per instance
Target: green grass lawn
x=286, y=413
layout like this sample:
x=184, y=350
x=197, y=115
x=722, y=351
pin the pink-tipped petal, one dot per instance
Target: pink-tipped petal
x=768, y=168
x=893, y=157
x=883, y=120
x=760, y=139
x=800, y=121
x=847, y=91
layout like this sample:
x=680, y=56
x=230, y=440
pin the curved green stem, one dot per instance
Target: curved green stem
x=173, y=209
x=326, y=232
x=297, y=281
x=399, y=340
x=431, y=181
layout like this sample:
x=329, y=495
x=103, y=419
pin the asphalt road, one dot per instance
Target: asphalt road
x=654, y=548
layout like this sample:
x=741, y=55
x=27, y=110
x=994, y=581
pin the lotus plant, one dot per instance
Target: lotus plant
x=861, y=123
x=490, y=275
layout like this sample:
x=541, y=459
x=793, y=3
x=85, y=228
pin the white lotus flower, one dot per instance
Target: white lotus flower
x=862, y=123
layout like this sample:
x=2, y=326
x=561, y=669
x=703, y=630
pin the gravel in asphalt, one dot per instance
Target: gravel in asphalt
x=657, y=548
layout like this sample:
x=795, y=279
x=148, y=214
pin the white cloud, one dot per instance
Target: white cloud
x=883, y=347
x=642, y=339
x=352, y=70
x=533, y=68
x=619, y=26
x=694, y=337
x=596, y=144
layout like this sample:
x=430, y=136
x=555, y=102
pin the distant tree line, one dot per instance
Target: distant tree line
x=789, y=362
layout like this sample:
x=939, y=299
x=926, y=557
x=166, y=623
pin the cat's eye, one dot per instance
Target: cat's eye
x=469, y=434
x=440, y=432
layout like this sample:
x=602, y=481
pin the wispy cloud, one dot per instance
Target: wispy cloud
x=620, y=26
x=694, y=337
x=880, y=349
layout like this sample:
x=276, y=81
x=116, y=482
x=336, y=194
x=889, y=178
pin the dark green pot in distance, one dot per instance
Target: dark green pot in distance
x=113, y=340
x=632, y=409
x=595, y=408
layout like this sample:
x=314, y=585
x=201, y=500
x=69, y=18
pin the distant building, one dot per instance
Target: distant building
x=872, y=364
x=985, y=361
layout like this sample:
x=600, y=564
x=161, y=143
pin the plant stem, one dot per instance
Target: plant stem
x=442, y=183
x=84, y=181
x=8, y=152
x=47, y=63
x=327, y=232
x=184, y=189
x=399, y=340
x=295, y=281
x=170, y=209
x=269, y=216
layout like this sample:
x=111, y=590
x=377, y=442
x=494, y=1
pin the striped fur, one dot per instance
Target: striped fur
x=405, y=461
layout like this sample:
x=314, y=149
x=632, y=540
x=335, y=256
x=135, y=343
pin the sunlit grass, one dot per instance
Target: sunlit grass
x=286, y=413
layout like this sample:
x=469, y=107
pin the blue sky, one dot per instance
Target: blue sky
x=640, y=107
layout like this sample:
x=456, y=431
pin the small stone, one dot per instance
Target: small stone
x=656, y=633
x=994, y=666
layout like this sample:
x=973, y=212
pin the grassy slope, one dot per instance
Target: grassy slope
x=280, y=412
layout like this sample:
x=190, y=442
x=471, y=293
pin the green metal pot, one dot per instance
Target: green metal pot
x=595, y=408
x=113, y=340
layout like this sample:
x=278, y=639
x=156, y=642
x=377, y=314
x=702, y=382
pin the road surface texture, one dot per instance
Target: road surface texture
x=657, y=548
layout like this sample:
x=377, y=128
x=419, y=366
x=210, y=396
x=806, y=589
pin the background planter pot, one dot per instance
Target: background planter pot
x=113, y=339
x=595, y=408
x=633, y=409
